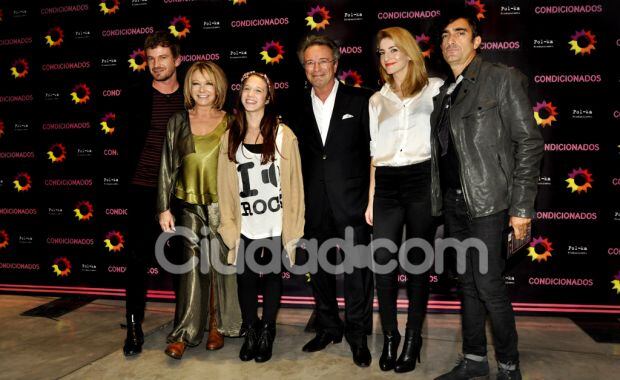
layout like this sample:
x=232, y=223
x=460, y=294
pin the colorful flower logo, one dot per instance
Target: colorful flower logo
x=545, y=244
x=114, y=241
x=545, y=108
x=272, y=47
x=106, y=123
x=424, y=42
x=135, y=57
x=22, y=182
x=351, y=77
x=81, y=94
x=582, y=174
x=1, y=128
x=109, y=10
x=179, y=27
x=584, y=35
x=55, y=37
x=324, y=17
x=57, y=153
x=61, y=266
x=20, y=68
x=4, y=239
x=615, y=282
x=238, y=2
x=479, y=7
x=83, y=211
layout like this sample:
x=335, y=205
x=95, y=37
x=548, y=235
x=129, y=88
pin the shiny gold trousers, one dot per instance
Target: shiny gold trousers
x=192, y=298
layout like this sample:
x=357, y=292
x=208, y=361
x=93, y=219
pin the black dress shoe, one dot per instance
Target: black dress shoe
x=320, y=341
x=411, y=352
x=265, y=342
x=250, y=342
x=135, y=336
x=390, y=350
x=361, y=354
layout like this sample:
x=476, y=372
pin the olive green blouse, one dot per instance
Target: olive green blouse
x=197, y=183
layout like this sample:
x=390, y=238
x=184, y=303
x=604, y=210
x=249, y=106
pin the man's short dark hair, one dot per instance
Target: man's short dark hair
x=163, y=39
x=317, y=40
x=469, y=13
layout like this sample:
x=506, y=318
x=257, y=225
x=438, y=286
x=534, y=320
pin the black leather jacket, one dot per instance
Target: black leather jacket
x=496, y=139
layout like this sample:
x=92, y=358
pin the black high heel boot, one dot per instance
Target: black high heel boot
x=411, y=352
x=250, y=342
x=265, y=342
x=390, y=350
x=135, y=336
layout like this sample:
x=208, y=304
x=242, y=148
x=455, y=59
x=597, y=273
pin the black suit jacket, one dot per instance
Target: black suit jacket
x=337, y=173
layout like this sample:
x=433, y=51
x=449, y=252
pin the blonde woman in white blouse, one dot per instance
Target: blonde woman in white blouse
x=399, y=194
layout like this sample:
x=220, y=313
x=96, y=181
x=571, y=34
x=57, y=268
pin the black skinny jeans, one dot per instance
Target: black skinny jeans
x=483, y=293
x=249, y=282
x=402, y=199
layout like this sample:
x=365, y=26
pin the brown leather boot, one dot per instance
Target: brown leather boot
x=175, y=350
x=215, y=340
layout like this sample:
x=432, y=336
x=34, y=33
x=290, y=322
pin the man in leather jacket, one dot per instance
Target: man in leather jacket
x=486, y=153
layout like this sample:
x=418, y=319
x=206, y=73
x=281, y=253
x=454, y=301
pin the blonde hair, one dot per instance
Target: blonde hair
x=417, y=77
x=219, y=82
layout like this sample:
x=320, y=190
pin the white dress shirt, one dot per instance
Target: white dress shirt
x=400, y=130
x=323, y=111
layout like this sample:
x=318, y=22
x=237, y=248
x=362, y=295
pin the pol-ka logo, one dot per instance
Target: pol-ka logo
x=20, y=68
x=80, y=94
x=479, y=6
x=582, y=42
x=84, y=211
x=137, y=60
x=540, y=249
x=179, y=27
x=273, y=52
x=114, y=241
x=4, y=239
x=616, y=283
x=318, y=18
x=579, y=180
x=54, y=37
x=57, y=153
x=109, y=7
x=351, y=77
x=238, y=2
x=1, y=128
x=22, y=182
x=545, y=113
x=107, y=123
x=61, y=267
x=424, y=42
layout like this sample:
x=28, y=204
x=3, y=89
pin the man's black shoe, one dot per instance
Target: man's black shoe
x=320, y=341
x=361, y=353
x=135, y=336
x=467, y=369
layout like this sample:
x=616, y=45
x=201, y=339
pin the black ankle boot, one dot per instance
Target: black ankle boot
x=135, y=336
x=390, y=350
x=411, y=352
x=265, y=342
x=248, y=349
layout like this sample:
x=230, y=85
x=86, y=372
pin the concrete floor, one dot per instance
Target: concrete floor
x=86, y=344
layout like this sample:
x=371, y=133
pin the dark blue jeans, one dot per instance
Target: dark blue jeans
x=483, y=293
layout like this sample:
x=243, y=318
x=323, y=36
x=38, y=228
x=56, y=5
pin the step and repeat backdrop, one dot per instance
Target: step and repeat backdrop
x=65, y=66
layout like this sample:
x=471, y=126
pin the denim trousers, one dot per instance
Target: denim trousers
x=486, y=293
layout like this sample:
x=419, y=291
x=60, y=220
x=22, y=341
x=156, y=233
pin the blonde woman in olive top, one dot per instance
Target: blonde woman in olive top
x=187, y=196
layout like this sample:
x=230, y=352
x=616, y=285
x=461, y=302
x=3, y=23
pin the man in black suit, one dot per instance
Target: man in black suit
x=333, y=135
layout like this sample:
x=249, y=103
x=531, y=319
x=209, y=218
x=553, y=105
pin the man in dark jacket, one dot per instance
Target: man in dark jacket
x=334, y=144
x=486, y=156
x=150, y=105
